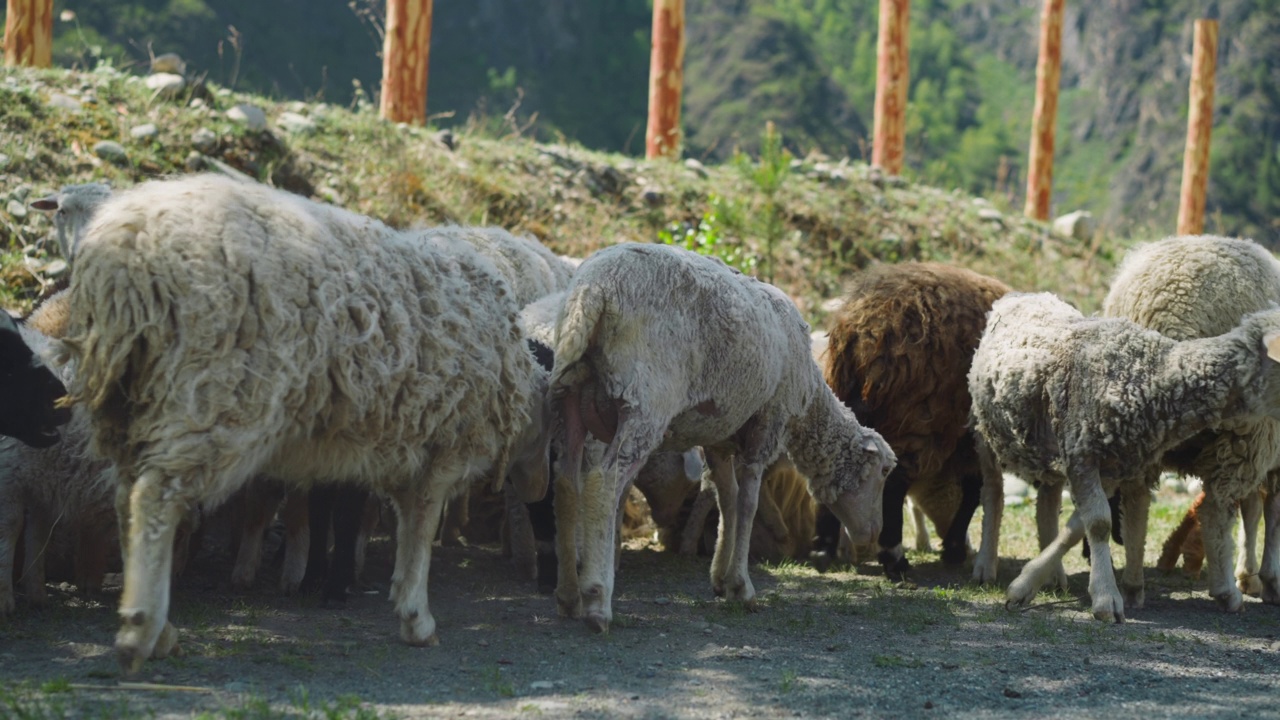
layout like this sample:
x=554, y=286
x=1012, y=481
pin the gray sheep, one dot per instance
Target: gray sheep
x=1096, y=402
x=1200, y=286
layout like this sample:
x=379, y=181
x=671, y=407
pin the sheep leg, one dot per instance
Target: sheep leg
x=726, y=493
x=39, y=533
x=602, y=492
x=1215, y=526
x=1269, y=573
x=770, y=515
x=144, y=605
x=348, y=511
x=257, y=504
x=369, y=517
x=955, y=545
x=1247, y=560
x=456, y=518
x=691, y=535
x=297, y=542
x=524, y=550
x=1048, y=508
x=986, y=565
x=737, y=583
x=90, y=563
x=921, y=526
x=11, y=512
x=420, y=513
x=1136, y=501
x=568, y=502
x=319, y=520
x=892, y=556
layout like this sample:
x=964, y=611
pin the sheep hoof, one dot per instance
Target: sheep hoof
x=984, y=573
x=954, y=554
x=1249, y=584
x=1231, y=601
x=1271, y=591
x=167, y=643
x=1134, y=597
x=418, y=629
x=597, y=623
x=130, y=658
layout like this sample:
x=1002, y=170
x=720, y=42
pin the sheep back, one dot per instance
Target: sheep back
x=899, y=350
x=224, y=327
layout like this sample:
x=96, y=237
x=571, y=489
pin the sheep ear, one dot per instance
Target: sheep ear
x=871, y=447
x=1272, y=341
x=46, y=203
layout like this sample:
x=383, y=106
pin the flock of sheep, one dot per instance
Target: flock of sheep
x=220, y=338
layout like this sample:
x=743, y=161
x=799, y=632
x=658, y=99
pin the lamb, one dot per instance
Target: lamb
x=224, y=329
x=898, y=355
x=658, y=348
x=1200, y=286
x=1098, y=402
x=58, y=488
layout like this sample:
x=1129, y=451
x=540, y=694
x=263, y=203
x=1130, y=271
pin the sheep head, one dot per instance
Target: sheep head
x=73, y=207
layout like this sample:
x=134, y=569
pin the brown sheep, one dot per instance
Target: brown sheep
x=898, y=355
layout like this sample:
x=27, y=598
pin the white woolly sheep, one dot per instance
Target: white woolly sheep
x=1200, y=286
x=1097, y=402
x=224, y=329
x=658, y=348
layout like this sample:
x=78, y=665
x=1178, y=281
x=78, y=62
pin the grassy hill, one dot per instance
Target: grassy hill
x=806, y=223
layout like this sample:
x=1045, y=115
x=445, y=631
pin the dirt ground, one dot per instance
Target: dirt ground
x=844, y=644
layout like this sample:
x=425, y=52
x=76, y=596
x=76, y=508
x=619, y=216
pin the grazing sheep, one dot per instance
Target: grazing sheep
x=1098, y=402
x=224, y=329
x=658, y=348
x=73, y=207
x=1189, y=287
x=898, y=355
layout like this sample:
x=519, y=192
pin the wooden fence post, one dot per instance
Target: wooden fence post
x=1048, y=71
x=666, y=80
x=892, y=79
x=28, y=33
x=406, y=55
x=1195, y=159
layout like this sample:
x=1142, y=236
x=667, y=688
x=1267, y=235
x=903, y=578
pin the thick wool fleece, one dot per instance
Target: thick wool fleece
x=1199, y=286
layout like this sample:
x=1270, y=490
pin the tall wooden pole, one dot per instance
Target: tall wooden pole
x=892, y=79
x=1048, y=72
x=1195, y=160
x=666, y=80
x=406, y=55
x=28, y=33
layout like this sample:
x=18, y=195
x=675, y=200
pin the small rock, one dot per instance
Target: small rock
x=1015, y=487
x=446, y=138
x=296, y=124
x=196, y=103
x=652, y=197
x=166, y=84
x=662, y=601
x=111, y=151
x=144, y=132
x=64, y=102
x=981, y=202
x=251, y=116
x=635, y=697
x=56, y=269
x=990, y=214
x=698, y=168
x=1011, y=693
x=1078, y=225
x=22, y=192
x=204, y=140
x=194, y=162
x=168, y=63
x=542, y=685
x=17, y=210
x=928, y=704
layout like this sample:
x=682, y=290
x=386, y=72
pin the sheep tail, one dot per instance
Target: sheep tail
x=575, y=330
